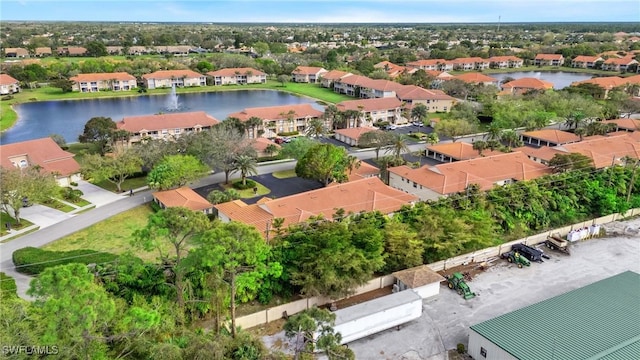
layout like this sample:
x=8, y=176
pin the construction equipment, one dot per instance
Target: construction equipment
x=515, y=258
x=556, y=242
x=456, y=282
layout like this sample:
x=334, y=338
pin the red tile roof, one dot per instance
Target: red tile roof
x=606, y=83
x=356, y=132
x=43, y=152
x=584, y=58
x=358, y=80
x=628, y=124
x=260, y=144
x=604, y=151
x=370, y=104
x=528, y=83
x=412, y=92
x=554, y=136
x=454, y=177
x=427, y=62
x=122, y=76
x=548, y=57
x=365, y=170
x=367, y=194
x=335, y=75
x=470, y=60
x=460, y=150
x=7, y=80
x=545, y=153
x=183, y=197
x=474, y=77
x=186, y=120
x=307, y=70
x=277, y=112
x=622, y=61
x=235, y=71
x=175, y=74
x=504, y=58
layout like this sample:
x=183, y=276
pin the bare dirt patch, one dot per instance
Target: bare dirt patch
x=357, y=299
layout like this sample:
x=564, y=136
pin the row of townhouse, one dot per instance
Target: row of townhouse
x=122, y=81
x=463, y=166
x=180, y=50
x=471, y=63
x=611, y=64
x=608, y=83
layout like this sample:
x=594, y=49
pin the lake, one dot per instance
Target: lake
x=559, y=79
x=68, y=117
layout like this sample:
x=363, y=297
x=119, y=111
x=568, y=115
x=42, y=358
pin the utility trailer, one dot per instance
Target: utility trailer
x=556, y=242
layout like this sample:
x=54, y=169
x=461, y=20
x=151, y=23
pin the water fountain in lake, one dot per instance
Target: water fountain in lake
x=172, y=101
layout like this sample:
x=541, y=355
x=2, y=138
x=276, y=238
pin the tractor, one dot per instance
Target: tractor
x=516, y=258
x=456, y=282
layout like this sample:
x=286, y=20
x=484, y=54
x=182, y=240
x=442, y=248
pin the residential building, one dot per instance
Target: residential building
x=433, y=182
x=548, y=60
x=16, y=53
x=177, y=78
x=504, y=62
x=8, y=85
x=597, y=321
x=431, y=64
x=372, y=111
x=165, y=126
x=619, y=64
x=471, y=63
x=261, y=144
x=307, y=74
x=72, y=51
x=180, y=50
x=525, y=85
x=280, y=119
x=391, y=69
x=434, y=100
x=585, y=62
x=379, y=89
x=350, y=136
x=237, y=76
x=119, y=81
x=548, y=137
x=364, y=195
x=456, y=151
x=606, y=84
x=542, y=154
x=351, y=85
x=182, y=197
x=605, y=151
x=114, y=50
x=330, y=77
x=363, y=171
x=476, y=78
x=625, y=124
x=44, y=153
x=43, y=52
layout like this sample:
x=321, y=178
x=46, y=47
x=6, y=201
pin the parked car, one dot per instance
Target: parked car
x=390, y=127
x=418, y=123
x=278, y=140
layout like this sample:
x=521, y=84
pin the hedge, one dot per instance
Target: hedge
x=8, y=288
x=33, y=261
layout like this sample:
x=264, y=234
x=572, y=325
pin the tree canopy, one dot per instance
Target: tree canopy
x=175, y=171
x=323, y=162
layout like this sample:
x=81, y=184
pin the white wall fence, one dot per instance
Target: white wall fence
x=294, y=307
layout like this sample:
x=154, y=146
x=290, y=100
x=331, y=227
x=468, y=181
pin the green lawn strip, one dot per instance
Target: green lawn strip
x=58, y=205
x=131, y=183
x=7, y=116
x=112, y=235
x=248, y=193
x=5, y=218
x=285, y=174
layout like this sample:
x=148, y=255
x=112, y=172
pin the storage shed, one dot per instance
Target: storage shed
x=421, y=279
x=597, y=321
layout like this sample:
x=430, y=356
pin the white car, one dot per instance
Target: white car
x=418, y=123
x=391, y=127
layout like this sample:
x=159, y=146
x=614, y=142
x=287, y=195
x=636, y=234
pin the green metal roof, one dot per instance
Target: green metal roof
x=598, y=321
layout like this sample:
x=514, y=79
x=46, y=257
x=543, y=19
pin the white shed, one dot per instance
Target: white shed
x=421, y=279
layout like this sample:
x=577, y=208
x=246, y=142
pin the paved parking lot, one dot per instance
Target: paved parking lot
x=500, y=289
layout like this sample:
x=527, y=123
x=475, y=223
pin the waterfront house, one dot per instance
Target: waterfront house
x=548, y=60
x=280, y=119
x=165, y=126
x=119, y=81
x=237, y=76
x=8, y=85
x=307, y=74
x=177, y=78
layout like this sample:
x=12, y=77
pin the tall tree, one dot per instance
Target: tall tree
x=316, y=128
x=397, y=146
x=453, y=128
x=172, y=228
x=239, y=252
x=298, y=148
x=99, y=131
x=419, y=112
x=313, y=330
x=323, y=162
x=175, y=171
x=221, y=146
x=403, y=249
x=376, y=139
x=246, y=165
x=115, y=167
x=21, y=185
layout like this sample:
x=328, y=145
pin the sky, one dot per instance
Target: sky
x=324, y=11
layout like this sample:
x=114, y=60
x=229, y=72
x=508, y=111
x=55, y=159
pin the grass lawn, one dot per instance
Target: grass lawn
x=111, y=235
x=5, y=218
x=55, y=204
x=284, y=174
x=248, y=193
x=131, y=183
x=80, y=202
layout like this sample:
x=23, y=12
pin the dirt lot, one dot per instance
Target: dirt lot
x=501, y=288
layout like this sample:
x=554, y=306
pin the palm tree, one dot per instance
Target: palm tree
x=419, y=112
x=246, y=165
x=253, y=123
x=315, y=128
x=511, y=138
x=581, y=132
x=352, y=163
x=330, y=113
x=480, y=146
x=271, y=149
x=494, y=132
x=361, y=115
x=397, y=147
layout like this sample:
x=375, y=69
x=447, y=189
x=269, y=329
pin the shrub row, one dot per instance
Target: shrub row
x=33, y=261
x=291, y=133
x=249, y=185
x=8, y=287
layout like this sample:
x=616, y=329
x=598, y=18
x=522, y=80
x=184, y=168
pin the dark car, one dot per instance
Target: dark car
x=528, y=252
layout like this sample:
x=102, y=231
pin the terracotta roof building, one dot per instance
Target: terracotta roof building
x=44, y=153
x=280, y=119
x=363, y=195
x=372, y=111
x=504, y=62
x=548, y=137
x=165, y=126
x=177, y=78
x=625, y=124
x=585, y=62
x=526, y=84
x=471, y=63
x=548, y=60
x=43, y=51
x=431, y=64
x=351, y=136
x=607, y=84
x=182, y=197
x=307, y=74
x=619, y=64
x=16, y=53
x=331, y=76
x=363, y=171
x=476, y=78
x=605, y=151
x=118, y=81
x=434, y=100
x=72, y=51
x=433, y=182
x=456, y=151
x=260, y=145
x=237, y=76
x=8, y=85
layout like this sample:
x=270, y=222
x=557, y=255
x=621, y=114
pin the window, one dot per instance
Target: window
x=165, y=132
x=23, y=163
x=176, y=131
x=483, y=352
